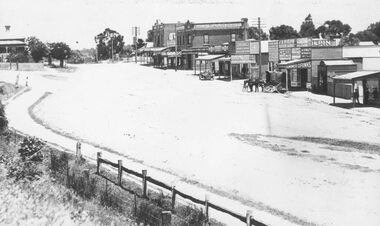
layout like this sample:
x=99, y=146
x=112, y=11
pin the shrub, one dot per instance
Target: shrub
x=3, y=119
x=31, y=149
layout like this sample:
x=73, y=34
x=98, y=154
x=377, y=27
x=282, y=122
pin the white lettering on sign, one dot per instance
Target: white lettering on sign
x=296, y=53
x=242, y=47
x=323, y=42
x=285, y=54
x=286, y=43
x=243, y=59
x=218, y=26
x=303, y=42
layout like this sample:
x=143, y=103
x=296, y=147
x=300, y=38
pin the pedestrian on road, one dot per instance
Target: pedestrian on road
x=356, y=96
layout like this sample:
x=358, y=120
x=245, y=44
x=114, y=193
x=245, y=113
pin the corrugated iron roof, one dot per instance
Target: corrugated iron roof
x=356, y=75
x=209, y=57
x=11, y=42
x=338, y=62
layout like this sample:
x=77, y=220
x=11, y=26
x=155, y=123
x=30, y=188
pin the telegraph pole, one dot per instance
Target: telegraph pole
x=135, y=33
x=259, y=48
x=176, y=59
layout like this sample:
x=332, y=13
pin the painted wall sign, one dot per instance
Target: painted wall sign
x=323, y=42
x=303, y=42
x=254, y=47
x=242, y=47
x=285, y=54
x=287, y=43
x=296, y=53
x=273, y=51
x=243, y=59
x=218, y=26
x=299, y=65
x=305, y=53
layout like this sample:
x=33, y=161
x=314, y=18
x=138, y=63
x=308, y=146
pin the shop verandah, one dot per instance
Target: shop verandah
x=364, y=87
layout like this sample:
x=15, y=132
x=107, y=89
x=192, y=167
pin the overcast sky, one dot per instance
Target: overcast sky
x=76, y=22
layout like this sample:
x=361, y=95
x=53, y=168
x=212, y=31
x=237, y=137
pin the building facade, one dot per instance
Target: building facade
x=10, y=42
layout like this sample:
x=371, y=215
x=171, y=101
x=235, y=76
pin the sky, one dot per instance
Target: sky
x=77, y=22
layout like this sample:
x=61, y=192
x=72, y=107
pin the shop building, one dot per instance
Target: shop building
x=10, y=42
x=300, y=58
x=366, y=57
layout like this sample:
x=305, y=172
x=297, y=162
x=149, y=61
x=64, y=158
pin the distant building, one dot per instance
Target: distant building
x=10, y=42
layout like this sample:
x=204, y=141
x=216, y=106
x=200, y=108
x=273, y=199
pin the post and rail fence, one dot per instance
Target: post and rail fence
x=247, y=219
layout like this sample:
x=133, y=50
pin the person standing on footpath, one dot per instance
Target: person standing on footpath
x=356, y=96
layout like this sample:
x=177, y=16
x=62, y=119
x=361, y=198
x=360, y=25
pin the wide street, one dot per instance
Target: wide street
x=292, y=159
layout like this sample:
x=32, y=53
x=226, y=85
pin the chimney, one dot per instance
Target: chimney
x=7, y=28
x=245, y=28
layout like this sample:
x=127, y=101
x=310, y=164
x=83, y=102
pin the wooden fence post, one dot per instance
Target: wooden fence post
x=144, y=173
x=173, y=198
x=120, y=171
x=206, y=208
x=249, y=215
x=166, y=218
x=98, y=156
x=135, y=201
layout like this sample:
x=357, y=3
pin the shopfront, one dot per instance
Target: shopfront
x=367, y=83
x=298, y=73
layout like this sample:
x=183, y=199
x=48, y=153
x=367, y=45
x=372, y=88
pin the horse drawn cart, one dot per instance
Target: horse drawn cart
x=207, y=75
x=274, y=83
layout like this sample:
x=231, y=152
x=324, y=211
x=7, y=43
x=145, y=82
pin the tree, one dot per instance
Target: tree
x=76, y=57
x=350, y=40
x=307, y=28
x=38, y=50
x=59, y=51
x=253, y=33
x=3, y=119
x=367, y=35
x=334, y=29
x=282, y=32
x=140, y=43
x=108, y=41
x=375, y=28
x=149, y=36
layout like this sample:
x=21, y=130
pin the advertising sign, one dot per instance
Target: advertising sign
x=323, y=42
x=296, y=53
x=304, y=42
x=305, y=53
x=287, y=43
x=254, y=48
x=170, y=43
x=273, y=51
x=243, y=59
x=218, y=26
x=285, y=54
x=242, y=47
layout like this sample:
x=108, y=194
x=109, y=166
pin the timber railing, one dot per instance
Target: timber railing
x=247, y=219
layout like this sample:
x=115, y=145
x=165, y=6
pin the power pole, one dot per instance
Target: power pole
x=176, y=59
x=135, y=33
x=259, y=48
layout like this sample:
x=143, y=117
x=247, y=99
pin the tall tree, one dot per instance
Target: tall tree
x=367, y=35
x=108, y=41
x=38, y=50
x=59, y=51
x=140, y=43
x=334, y=29
x=149, y=36
x=375, y=28
x=282, y=32
x=307, y=28
x=253, y=32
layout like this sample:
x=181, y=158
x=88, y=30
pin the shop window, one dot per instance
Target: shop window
x=233, y=37
x=205, y=39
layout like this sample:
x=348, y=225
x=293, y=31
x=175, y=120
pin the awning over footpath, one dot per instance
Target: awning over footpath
x=357, y=75
x=209, y=57
x=12, y=43
x=156, y=49
x=337, y=62
x=300, y=63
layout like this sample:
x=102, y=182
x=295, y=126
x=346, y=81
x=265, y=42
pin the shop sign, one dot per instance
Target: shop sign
x=218, y=49
x=273, y=51
x=287, y=43
x=243, y=59
x=323, y=42
x=296, y=53
x=304, y=65
x=305, y=53
x=180, y=27
x=242, y=47
x=295, y=84
x=304, y=42
x=170, y=43
x=285, y=54
x=218, y=26
x=254, y=48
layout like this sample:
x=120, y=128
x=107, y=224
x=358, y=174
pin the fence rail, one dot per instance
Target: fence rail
x=248, y=219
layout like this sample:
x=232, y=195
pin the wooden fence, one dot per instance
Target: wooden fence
x=247, y=219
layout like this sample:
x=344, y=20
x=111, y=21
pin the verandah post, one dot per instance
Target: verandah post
x=173, y=197
x=98, y=156
x=206, y=207
x=120, y=171
x=144, y=173
x=249, y=216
